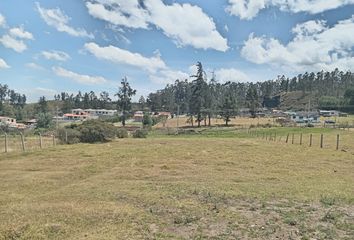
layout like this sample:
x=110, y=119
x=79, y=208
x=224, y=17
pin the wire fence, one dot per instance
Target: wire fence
x=335, y=141
x=20, y=143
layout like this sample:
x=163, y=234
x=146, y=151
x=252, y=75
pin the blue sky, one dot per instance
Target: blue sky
x=51, y=46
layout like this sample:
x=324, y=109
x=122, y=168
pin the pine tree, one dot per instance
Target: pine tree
x=125, y=94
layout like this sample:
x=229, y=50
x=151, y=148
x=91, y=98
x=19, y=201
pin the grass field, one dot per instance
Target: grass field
x=208, y=186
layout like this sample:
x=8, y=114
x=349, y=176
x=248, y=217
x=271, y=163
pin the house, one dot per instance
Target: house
x=329, y=113
x=138, y=116
x=94, y=112
x=31, y=123
x=7, y=121
x=305, y=117
x=76, y=117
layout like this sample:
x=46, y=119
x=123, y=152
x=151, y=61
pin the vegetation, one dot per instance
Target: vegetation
x=330, y=87
x=140, y=133
x=122, y=133
x=91, y=131
x=125, y=94
x=178, y=188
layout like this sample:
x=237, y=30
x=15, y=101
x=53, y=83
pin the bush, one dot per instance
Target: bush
x=147, y=121
x=96, y=131
x=140, y=133
x=69, y=135
x=122, y=133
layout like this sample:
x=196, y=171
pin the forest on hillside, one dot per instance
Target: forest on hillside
x=325, y=90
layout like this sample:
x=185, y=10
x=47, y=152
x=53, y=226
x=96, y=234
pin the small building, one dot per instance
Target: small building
x=76, y=117
x=94, y=112
x=11, y=122
x=31, y=123
x=329, y=113
x=138, y=116
x=305, y=117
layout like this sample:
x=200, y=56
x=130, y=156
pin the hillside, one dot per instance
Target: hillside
x=298, y=100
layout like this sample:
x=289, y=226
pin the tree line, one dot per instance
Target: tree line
x=204, y=98
x=11, y=102
x=200, y=99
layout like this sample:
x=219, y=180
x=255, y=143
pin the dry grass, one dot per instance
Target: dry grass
x=177, y=188
x=238, y=121
x=31, y=143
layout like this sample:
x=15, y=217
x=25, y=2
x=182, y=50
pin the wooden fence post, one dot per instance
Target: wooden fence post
x=40, y=141
x=292, y=138
x=311, y=140
x=66, y=137
x=23, y=142
x=337, y=148
x=321, y=144
x=6, y=144
x=300, y=138
x=287, y=138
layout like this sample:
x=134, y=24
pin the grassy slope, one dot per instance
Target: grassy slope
x=180, y=188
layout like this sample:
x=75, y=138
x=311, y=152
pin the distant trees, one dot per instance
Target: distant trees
x=201, y=99
x=12, y=103
x=252, y=99
x=228, y=105
x=125, y=95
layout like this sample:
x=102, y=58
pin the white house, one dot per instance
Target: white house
x=11, y=122
x=329, y=113
x=94, y=112
x=305, y=117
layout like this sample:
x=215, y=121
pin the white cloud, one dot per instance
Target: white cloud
x=57, y=19
x=14, y=39
x=55, y=55
x=314, y=47
x=3, y=64
x=34, y=66
x=231, y=74
x=13, y=43
x=186, y=24
x=2, y=21
x=83, y=79
x=121, y=56
x=119, y=12
x=19, y=32
x=168, y=76
x=248, y=9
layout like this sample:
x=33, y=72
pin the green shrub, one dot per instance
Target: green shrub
x=140, y=133
x=122, y=133
x=93, y=131
x=69, y=135
x=147, y=121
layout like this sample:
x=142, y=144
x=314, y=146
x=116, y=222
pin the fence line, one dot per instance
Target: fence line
x=21, y=143
x=278, y=138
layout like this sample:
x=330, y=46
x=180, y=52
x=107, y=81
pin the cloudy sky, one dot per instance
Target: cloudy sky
x=51, y=46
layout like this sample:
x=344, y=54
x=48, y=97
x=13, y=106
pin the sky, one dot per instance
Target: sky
x=51, y=46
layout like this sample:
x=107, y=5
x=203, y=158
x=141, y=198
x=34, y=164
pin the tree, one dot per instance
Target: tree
x=44, y=120
x=252, y=99
x=147, y=121
x=142, y=103
x=198, y=93
x=228, y=106
x=125, y=94
x=42, y=106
